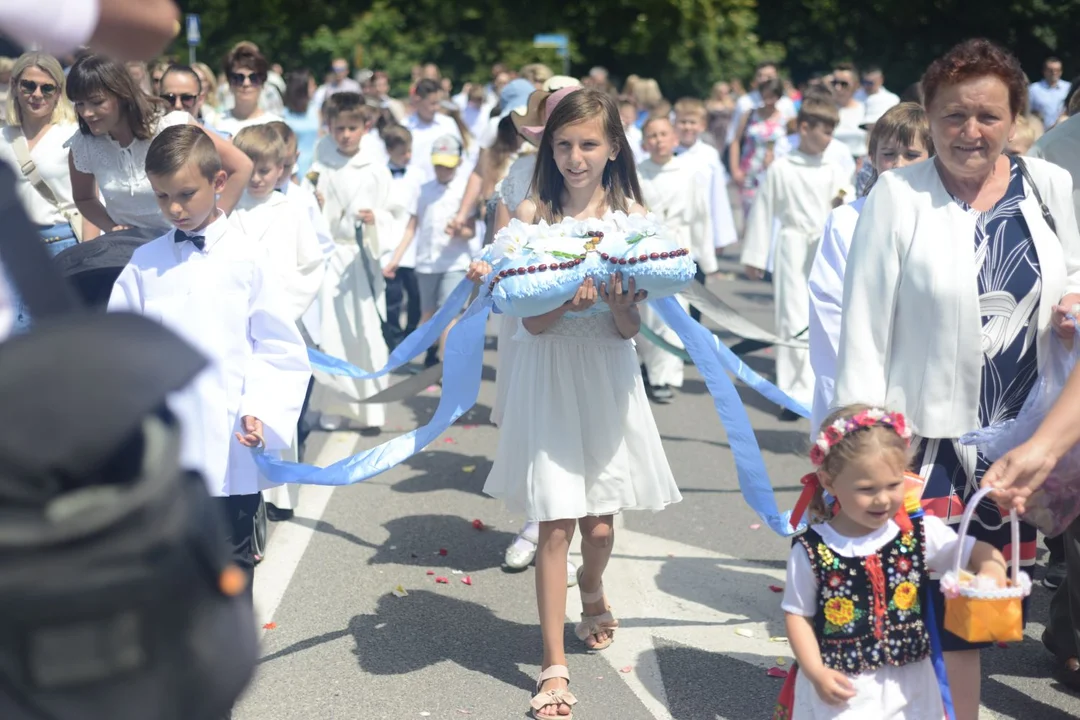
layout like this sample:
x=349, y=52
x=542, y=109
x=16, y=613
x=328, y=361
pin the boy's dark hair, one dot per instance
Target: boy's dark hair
x=816, y=112
x=846, y=67
x=396, y=136
x=427, y=87
x=178, y=145
x=185, y=70
x=347, y=103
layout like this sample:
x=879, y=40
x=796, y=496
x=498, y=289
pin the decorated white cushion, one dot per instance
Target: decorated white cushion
x=539, y=267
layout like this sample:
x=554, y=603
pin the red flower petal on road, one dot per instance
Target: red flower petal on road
x=776, y=588
x=270, y=626
x=442, y=581
x=478, y=524
x=1003, y=646
x=430, y=572
x=626, y=669
x=776, y=672
x=467, y=580
x=442, y=551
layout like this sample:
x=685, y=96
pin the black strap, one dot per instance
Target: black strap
x=28, y=264
x=1038, y=196
x=366, y=260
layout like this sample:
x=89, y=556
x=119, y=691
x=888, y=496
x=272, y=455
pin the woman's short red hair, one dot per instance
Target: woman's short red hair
x=973, y=59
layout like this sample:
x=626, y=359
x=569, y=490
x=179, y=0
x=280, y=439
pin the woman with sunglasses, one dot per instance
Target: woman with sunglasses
x=117, y=122
x=40, y=121
x=246, y=69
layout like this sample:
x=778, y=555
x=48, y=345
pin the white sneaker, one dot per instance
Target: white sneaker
x=330, y=423
x=521, y=553
x=571, y=574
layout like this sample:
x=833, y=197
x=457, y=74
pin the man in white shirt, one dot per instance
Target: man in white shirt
x=426, y=125
x=852, y=112
x=875, y=98
x=765, y=71
x=341, y=82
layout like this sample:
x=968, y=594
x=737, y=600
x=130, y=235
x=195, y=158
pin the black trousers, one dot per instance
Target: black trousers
x=401, y=290
x=239, y=513
x=694, y=312
x=1064, y=623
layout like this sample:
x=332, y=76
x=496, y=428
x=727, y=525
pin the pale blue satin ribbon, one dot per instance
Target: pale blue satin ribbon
x=417, y=342
x=463, y=364
x=714, y=361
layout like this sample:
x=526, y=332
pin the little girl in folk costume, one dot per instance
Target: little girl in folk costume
x=578, y=442
x=857, y=582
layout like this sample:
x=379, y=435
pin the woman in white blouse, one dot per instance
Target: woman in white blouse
x=40, y=120
x=958, y=276
x=117, y=122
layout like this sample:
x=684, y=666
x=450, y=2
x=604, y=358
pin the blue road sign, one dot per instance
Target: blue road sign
x=194, y=37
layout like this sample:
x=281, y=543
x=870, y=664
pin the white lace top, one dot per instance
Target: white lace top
x=515, y=186
x=121, y=174
x=593, y=328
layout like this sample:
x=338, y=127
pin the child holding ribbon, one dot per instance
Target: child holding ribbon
x=857, y=579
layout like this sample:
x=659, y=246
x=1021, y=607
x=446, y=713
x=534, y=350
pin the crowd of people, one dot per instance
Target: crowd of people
x=280, y=212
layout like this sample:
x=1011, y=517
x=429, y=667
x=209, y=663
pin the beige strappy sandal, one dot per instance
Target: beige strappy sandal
x=562, y=696
x=594, y=624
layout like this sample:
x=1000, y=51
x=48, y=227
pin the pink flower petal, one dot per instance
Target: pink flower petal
x=270, y=626
x=478, y=524
x=628, y=668
x=430, y=572
x=776, y=588
x=755, y=526
x=442, y=551
x=776, y=672
x=442, y=581
x=466, y=580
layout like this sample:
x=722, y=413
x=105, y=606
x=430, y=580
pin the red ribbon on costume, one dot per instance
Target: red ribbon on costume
x=811, y=485
x=877, y=586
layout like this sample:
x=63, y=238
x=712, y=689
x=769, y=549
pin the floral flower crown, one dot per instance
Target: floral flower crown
x=871, y=417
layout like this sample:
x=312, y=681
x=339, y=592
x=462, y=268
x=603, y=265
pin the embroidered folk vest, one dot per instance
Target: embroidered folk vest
x=870, y=608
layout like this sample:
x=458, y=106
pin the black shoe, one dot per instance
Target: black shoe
x=431, y=359
x=1055, y=574
x=275, y=514
x=788, y=416
x=660, y=393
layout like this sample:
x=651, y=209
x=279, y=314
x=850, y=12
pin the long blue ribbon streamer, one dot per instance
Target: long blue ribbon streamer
x=714, y=364
x=417, y=341
x=937, y=659
x=463, y=362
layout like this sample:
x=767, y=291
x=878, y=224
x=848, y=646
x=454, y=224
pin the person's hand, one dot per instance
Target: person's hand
x=584, y=298
x=366, y=216
x=253, y=432
x=478, y=270
x=834, y=688
x=738, y=176
x=619, y=301
x=996, y=571
x=754, y=273
x=1018, y=474
x=1063, y=326
x=116, y=228
x=390, y=271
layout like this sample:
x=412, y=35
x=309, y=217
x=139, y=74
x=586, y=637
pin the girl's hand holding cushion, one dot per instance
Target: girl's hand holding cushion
x=584, y=298
x=618, y=300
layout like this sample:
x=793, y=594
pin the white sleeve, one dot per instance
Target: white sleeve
x=56, y=26
x=127, y=293
x=79, y=145
x=310, y=265
x=826, y=293
x=176, y=117
x=800, y=590
x=941, y=544
x=758, y=239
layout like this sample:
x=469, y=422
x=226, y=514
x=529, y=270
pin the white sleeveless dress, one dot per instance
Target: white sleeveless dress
x=578, y=436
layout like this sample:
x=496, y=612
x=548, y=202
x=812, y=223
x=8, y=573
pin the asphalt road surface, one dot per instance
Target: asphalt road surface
x=700, y=626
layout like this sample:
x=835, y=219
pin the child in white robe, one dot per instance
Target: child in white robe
x=283, y=229
x=355, y=189
x=691, y=121
x=899, y=138
x=672, y=190
x=800, y=190
x=212, y=285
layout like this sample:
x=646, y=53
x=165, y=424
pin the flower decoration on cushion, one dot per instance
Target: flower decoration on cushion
x=539, y=267
x=830, y=436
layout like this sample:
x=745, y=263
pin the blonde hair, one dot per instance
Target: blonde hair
x=1028, y=130
x=63, y=112
x=261, y=143
x=690, y=106
x=536, y=73
x=209, y=83
x=647, y=93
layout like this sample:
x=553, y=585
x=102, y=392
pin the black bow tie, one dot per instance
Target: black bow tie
x=397, y=172
x=197, y=240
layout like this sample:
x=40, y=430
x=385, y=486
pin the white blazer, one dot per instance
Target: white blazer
x=911, y=335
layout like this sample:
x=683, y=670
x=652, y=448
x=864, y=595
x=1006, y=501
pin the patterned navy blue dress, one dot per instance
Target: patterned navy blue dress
x=1010, y=287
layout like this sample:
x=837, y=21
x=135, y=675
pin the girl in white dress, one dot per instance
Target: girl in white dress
x=578, y=442
x=857, y=583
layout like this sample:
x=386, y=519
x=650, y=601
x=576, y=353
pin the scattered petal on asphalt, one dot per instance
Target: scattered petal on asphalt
x=442, y=551
x=380, y=626
x=448, y=440
x=468, y=468
x=1003, y=646
x=478, y=523
x=626, y=669
x=469, y=427
x=743, y=632
x=400, y=592
x=776, y=672
x=776, y=588
x=270, y=626
x=442, y=580
x=467, y=580
x=778, y=638
x=457, y=572
x=430, y=572
x=755, y=526
x=781, y=661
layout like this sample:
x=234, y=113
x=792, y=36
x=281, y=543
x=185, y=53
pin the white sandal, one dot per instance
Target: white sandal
x=595, y=624
x=562, y=696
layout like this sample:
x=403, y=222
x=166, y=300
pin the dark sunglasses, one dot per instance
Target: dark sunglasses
x=186, y=99
x=29, y=86
x=840, y=83
x=239, y=79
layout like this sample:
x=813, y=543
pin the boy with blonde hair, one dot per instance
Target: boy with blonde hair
x=690, y=122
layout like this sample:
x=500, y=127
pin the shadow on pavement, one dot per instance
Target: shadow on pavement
x=438, y=470
x=701, y=685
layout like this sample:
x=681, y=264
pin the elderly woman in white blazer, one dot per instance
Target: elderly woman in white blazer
x=953, y=294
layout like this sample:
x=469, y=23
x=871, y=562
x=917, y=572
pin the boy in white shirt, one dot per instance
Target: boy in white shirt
x=209, y=283
x=402, y=288
x=303, y=198
x=426, y=125
x=800, y=190
x=671, y=189
x=690, y=122
x=356, y=190
x=442, y=259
